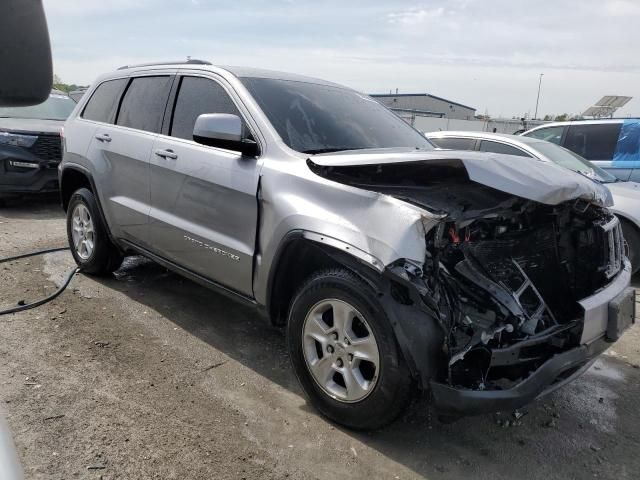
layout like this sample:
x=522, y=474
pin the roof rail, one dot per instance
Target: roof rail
x=190, y=61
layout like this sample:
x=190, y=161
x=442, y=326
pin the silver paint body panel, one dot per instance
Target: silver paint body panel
x=225, y=216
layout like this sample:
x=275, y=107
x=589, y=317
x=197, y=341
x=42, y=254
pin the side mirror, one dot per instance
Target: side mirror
x=25, y=55
x=224, y=130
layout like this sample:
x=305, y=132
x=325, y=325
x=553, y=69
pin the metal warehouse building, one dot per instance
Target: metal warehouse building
x=426, y=104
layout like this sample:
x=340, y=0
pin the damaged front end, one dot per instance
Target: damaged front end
x=526, y=293
x=508, y=287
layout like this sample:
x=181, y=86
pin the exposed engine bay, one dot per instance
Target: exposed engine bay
x=502, y=275
x=512, y=277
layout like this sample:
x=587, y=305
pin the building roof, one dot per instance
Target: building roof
x=420, y=112
x=392, y=95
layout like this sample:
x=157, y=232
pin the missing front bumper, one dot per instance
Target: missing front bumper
x=555, y=372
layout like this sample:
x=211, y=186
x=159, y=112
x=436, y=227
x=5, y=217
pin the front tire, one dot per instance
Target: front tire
x=344, y=352
x=88, y=239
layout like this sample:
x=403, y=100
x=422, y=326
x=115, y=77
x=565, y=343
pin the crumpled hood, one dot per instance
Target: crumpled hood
x=30, y=125
x=528, y=178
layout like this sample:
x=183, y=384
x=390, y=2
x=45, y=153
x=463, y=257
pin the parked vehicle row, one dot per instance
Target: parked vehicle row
x=613, y=144
x=397, y=269
x=626, y=195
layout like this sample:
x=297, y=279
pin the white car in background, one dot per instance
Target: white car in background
x=626, y=195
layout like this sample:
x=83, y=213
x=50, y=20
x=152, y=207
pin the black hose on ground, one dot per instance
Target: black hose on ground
x=27, y=306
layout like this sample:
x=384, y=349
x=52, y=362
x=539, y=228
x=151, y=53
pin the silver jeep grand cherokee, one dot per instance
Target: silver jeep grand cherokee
x=395, y=268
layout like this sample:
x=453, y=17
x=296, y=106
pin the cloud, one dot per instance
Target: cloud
x=415, y=16
x=486, y=54
x=622, y=8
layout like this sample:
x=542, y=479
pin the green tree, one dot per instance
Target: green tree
x=562, y=118
x=58, y=84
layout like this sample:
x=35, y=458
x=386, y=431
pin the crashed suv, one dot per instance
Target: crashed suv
x=395, y=268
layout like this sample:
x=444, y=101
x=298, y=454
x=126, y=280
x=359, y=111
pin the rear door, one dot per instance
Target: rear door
x=204, y=207
x=120, y=154
x=593, y=141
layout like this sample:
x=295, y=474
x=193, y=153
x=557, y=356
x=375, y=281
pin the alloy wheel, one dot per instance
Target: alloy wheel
x=83, y=233
x=340, y=350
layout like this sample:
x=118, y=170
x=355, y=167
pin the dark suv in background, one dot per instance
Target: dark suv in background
x=30, y=145
x=612, y=144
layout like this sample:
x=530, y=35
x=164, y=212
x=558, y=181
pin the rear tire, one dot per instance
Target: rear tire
x=88, y=239
x=632, y=237
x=344, y=352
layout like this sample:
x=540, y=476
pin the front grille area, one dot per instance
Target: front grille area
x=532, y=257
x=613, y=247
x=47, y=147
x=563, y=261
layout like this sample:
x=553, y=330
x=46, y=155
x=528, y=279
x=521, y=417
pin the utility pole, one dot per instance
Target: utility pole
x=535, y=117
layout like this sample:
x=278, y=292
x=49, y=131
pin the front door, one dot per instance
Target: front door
x=204, y=207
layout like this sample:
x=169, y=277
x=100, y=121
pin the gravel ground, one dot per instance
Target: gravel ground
x=148, y=375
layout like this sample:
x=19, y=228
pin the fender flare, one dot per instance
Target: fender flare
x=319, y=240
x=84, y=171
x=419, y=335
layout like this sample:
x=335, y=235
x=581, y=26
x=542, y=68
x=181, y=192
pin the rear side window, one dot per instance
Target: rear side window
x=454, y=143
x=495, y=147
x=103, y=104
x=550, y=134
x=595, y=141
x=196, y=96
x=144, y=103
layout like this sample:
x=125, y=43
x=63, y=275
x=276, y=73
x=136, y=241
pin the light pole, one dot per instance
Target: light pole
x=535, y=116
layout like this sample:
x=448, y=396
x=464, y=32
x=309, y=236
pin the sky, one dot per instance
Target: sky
x=488, y=54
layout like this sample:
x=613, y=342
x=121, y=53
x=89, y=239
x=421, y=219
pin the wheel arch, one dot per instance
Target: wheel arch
x=626, y=221
x=73, y=177
x=419, y=336
x=319, y=252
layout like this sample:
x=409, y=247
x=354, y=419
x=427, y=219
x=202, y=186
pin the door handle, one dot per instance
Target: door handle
x=103, y=137
x=166, y=154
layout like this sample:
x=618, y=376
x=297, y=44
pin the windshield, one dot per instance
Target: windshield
x=572, y=161
x=56, y=107
x=315, y=118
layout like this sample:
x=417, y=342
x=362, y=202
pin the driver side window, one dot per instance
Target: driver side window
x=198, y=95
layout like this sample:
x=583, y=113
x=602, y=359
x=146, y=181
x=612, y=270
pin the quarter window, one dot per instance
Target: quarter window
x=550, y=134
x=495, y=147
x=103, y=104
x=454, y=143
x=594, y=141
x=196, y=96
x=144, y=103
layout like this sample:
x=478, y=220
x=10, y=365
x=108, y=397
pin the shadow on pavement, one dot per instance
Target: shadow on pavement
x=33, y=207
x=573, y=423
